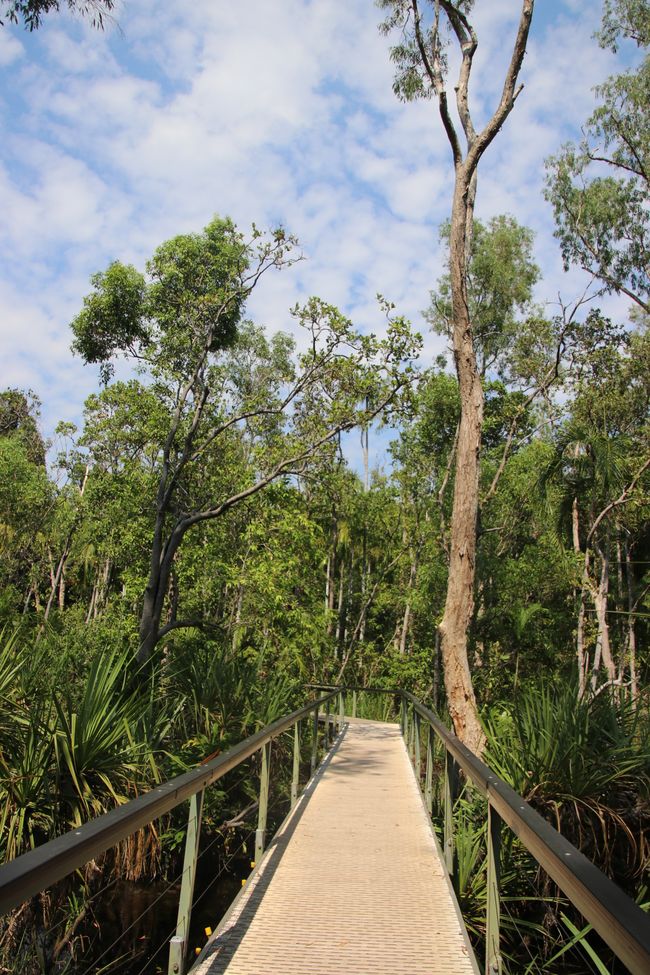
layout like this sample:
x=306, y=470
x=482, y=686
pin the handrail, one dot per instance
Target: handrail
x=616, y=917
x=618, y=920
x=38, y=869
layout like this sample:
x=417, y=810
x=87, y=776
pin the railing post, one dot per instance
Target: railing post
x=492, y=950
x=451, y=788
x=326, y=736
x=416, y=746
x=178, y=944
x=314, y=741
x=354, y=704
x=260, y=833
x=428, y=775
x=341, y=711
x=403, y=718
x=296, y=764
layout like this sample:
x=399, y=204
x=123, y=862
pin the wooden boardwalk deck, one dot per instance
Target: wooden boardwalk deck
x=352, y=883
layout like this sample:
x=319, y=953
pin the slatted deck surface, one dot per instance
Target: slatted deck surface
x=352, y=884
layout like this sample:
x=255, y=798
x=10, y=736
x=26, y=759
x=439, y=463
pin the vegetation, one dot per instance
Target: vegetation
x=421, y=59
x=173, y=573
x=31, y=12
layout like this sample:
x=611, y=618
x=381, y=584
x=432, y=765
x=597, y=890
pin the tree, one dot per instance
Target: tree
x=26, y=498
x=31, y=12
x=19, y=413
x=599, y=469
x=599, y=189
x=501, y=274
x=421, y=62
x=230, y=400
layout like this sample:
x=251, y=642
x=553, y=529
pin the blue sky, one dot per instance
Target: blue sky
x=269, y=112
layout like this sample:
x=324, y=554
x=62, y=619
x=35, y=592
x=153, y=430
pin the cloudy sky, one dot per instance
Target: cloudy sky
x=273, y=111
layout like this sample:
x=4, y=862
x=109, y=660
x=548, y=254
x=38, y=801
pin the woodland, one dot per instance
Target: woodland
x=176, y=571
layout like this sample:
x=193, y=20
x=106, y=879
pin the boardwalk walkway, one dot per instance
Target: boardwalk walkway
x=352, y=884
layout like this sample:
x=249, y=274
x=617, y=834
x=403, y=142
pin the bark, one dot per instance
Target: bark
x=603, y=650
x=62, y=590
x=102, y=592
x=91, y=605
x=166, y=541
x=436, y=670
x=459, y=603
x=340, y=609
x=631, y=632
x=57, y=574
x=407, y=609
x=328, y=581
x=599, y=592
x=236, y=624
x=582, y=604
x=580, y=643
x=56, y=579
x=365, y=575
x=30, y=593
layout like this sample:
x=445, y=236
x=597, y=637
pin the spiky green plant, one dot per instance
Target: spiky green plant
x=98, y=759
x=583, y=764
x=27, y=805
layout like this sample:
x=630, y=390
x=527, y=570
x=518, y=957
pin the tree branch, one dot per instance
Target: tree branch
x=509, y=94
x=623, y=498
x=436, y=79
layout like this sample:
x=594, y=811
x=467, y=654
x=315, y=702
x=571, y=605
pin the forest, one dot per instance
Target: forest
x=213, y=538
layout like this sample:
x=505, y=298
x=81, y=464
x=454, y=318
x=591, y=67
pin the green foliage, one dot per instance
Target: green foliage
x=628, y=19
x=599, y=189
x=583, y=763
x=19, y=415
x=500, y=280
x=31, y=12
x=95, y=759
x=192, y=301
x=26, y=508
x=412, y=81
x=112, y=317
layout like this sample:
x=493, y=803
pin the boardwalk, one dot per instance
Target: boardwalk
x=352, y=884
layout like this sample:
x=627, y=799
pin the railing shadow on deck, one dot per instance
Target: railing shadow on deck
x=619, y=921
x=229, y=935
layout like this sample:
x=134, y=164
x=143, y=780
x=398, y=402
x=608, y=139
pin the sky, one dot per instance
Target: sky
x=276, y=112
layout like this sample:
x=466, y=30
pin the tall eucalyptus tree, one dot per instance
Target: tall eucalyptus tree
x=421, y=60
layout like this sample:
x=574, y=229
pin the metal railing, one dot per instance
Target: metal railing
x=618, y=920
x=44, y=866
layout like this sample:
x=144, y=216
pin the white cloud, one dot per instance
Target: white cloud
x=11, y=49
x=268, y=112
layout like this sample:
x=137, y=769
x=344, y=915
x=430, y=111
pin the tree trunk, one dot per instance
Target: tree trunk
x=603, y=648
x=436, y=670
x=459, y=604
x=91, y=605
x=407, y=609
x=631, y=632
x=340, y=611
x=160, y=567
x=582, y=604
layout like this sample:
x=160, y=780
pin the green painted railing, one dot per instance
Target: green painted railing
x=618, y=920
x=37, y=870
